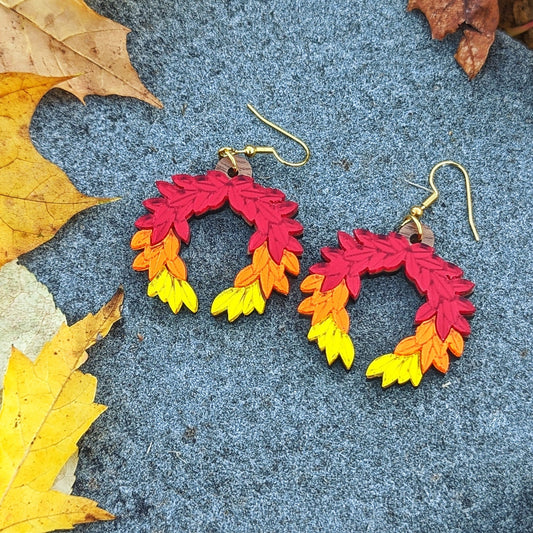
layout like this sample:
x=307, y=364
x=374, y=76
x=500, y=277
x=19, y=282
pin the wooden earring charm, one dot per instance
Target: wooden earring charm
x=441, y=323
x=274, y=245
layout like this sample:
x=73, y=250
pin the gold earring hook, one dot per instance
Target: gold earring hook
x=416, y=212
x=251, y=151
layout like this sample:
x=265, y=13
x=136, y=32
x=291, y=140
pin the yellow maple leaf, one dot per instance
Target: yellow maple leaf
x=61, y=37
x=36, y=196
x=47, y=406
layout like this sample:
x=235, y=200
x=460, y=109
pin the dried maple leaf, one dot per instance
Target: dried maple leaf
x=59, y=38
x=47, y=406
x=36, y=196
x=480, y=18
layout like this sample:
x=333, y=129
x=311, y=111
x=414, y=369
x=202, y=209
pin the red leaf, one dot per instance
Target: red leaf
x=466, y=307
x=144, y=222
x=256, y=240
x=347, y=242
x=425, y=312
x=166, y=189
x=287, y=208
x=331, y=280
x=294, y=246
x=462, y=326
x=353, y=282
x=181, y=227
x=278, y=240
x=462, y=286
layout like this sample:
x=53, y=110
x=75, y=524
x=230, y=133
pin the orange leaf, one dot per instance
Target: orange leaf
x=140, y=263
x=267, y=281
x=261, y=257
x=407, y=346
x=282, y=285
x=177, y=268
x=141, y=239
x=158, y=260
x=51, y=38
x=434, y=353
x=321, y=312
x=426, y=331
x=342, y=319
x=291, y=263
x=246, y=276
x=441, y=361
x=339, y=296
x=171, y=245
x=455, y=342
x=312, y=283
x=306, y=307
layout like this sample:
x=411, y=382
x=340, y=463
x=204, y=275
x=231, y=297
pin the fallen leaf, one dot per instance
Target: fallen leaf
x=480, y=18
x=29, y=317
x=28, y=321
x=66, y=37
x=47, y=406
x=36, y=196
x=516, y=18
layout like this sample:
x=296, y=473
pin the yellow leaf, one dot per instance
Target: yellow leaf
x=47, y=406
x=175, y=300
x=332, y=340
x=188, y=295
x=396, y=368
x=220, y=303
x=54, y=37
x=235, y=306
x=36, y=196
x=377, y=366
x=239, y=300
x=258, y=298
x=28, y=321
x=173, y=291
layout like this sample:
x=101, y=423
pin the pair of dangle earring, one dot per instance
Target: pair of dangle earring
x=273, y=245
x=441, y=323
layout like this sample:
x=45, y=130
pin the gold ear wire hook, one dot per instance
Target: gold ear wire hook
x=416, y=212
x=251, y=151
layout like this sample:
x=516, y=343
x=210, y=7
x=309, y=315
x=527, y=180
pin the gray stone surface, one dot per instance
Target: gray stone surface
x=217, y=427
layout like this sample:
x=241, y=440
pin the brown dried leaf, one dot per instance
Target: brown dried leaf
x=516, y=18
x=66, y=37
x=480, y=17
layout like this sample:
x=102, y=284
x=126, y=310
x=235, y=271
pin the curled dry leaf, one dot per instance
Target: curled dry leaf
x=36, y=196
x=480, y=18
x=47, y=406
x=58, y=38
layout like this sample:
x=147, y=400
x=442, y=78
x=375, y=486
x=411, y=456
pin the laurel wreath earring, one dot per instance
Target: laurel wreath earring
x=441, y=323
x=273, y=245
